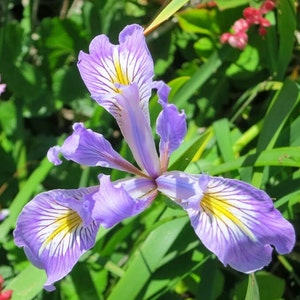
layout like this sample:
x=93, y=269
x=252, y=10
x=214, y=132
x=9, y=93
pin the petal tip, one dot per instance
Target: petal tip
x=52, y=155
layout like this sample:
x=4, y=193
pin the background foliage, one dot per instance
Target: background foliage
x=243, y=120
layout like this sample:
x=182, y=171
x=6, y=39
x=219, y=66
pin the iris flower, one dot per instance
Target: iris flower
x=233, y=219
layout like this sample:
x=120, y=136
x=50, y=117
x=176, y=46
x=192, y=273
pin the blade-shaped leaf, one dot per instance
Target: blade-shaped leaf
x=165, y=14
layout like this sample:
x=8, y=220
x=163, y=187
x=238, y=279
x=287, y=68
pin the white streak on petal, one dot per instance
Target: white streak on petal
x=239, y=223
x=53, y=234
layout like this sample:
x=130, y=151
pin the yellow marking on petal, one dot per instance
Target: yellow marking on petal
x=121, y=77
x=221, y=208
x=63, y=224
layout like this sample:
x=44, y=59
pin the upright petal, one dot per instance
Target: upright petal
x=239, y=224
x=123, y=64
x=113, y=203
x=55, y=229
x=90, y=149
x=136, y=130
x=171, y=127
x=170, y=124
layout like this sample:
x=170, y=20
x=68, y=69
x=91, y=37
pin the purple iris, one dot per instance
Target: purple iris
x=233, y=219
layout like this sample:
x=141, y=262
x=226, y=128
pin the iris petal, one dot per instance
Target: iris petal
x=181, y=187
x=171, y=127
x=108, y=65
x=113, y=203
x=55, y=229
x=90, y=149
x=239, y=224
x=136, y=130
x=170, y=124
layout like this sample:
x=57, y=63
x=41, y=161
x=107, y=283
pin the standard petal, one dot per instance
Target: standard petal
x=171, y=127
x=163, y=91
x=113, y=203
x=90, y=149
x=136, y=130
x=55, y=229
x=108, y=65
x=239, y=224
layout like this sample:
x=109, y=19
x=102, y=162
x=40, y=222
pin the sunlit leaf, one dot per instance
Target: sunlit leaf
x=165, y=14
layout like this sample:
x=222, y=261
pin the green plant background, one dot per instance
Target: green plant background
x=243, y=122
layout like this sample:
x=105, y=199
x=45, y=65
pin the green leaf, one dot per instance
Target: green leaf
x=285, y=156
x=24, y=196
x=204, y=47
x=175, y=85
x=211, y=276
x=67, y=84
x=246, y=64
x=201, y=76
x=61, y=40
x=252, y=290
x=222, y=133
x=286, y=28
x=83, y=283
x=165, y=14
x=11, y=38
x=189, y=151
x=225, y=4
x=8, y=120
x=146, y=259
x=27, y=284
x=201, y=21
x=279, y=112
x=261, y=285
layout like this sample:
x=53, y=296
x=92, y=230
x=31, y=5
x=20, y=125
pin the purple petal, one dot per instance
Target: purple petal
x=183, y=188
x=53, y=154
x=239, y=224
x=113, y=203
x=55, y=229
x=136, y=130
x=171, y=127
x=90, y=149
x=163, y=91
x=139, y=188
x=123, y=64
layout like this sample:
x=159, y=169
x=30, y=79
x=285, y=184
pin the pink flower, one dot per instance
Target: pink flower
x=240, y=25
x=2, y=87
x=252, y=16
x=267, y=6
x=5, y=295
x=237, y=40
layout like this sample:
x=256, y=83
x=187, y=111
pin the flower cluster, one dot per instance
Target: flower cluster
x=233, y=219
x=252, y=16
x=6, y=295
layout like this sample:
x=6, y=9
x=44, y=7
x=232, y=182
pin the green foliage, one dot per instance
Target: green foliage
x=243, y=118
